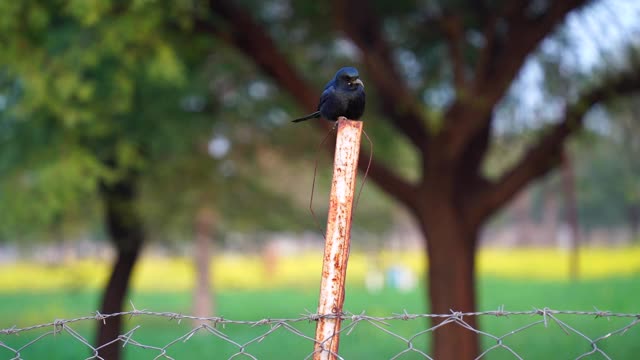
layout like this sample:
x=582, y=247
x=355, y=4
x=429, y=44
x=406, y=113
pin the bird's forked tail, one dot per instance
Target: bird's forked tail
x=314, y=115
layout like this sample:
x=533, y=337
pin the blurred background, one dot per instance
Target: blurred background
x=147, y=158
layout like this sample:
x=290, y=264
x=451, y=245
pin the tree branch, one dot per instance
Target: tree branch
x=399, y=188
x=359, y=22
x=474, y=154
x=499, y=64
x=251, y=39
x=522, y=37
x=453, y=32
x=547, y=153
x=492, y=38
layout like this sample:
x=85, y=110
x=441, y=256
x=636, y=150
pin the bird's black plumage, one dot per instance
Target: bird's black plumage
x=342, y=96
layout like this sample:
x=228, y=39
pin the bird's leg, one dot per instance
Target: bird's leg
x=340, y=118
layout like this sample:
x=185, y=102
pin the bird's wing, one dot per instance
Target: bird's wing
x=328, y=90
x=331, y=83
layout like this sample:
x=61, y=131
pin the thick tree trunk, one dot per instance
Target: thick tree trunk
x=126, y=232
x=451, y=282
x=203, y=305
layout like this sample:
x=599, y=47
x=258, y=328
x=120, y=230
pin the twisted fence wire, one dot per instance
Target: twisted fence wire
x=215, y=326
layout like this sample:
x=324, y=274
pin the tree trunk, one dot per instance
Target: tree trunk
x=451, y=282
x=633, y=213
x=550, y=211
x=124, y=226
x=203, y=305
x=524, y=227
x=571, y=214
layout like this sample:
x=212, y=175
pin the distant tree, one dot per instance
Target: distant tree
x=95, y=101
x=608, y=172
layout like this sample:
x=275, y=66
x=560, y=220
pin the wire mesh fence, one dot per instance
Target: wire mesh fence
x=503, y=334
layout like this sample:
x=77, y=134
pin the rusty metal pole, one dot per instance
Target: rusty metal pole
x=336, y=250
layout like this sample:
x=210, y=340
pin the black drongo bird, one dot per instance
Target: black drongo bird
x=342, y=96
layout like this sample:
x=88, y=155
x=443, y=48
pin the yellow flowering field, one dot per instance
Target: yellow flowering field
x=250, y=272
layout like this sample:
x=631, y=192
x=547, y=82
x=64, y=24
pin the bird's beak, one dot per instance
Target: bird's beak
x=358, y=81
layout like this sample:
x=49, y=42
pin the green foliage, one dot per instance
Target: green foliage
x=77, y=80
x=96, y=89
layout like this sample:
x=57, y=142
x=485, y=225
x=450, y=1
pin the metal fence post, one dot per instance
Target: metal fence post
x=336, y=252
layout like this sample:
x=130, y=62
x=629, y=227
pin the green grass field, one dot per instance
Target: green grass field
x=620, y=294
x=522, y=279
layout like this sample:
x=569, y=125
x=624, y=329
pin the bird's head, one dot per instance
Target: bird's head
x=348, y=78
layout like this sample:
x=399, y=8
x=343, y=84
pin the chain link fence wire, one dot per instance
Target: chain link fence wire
x=533, y=334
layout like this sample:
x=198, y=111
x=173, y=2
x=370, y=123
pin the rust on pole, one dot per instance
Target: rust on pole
x=336, y=251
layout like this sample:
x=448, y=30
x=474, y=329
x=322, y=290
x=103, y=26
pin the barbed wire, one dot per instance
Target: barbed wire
x=215, y=326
